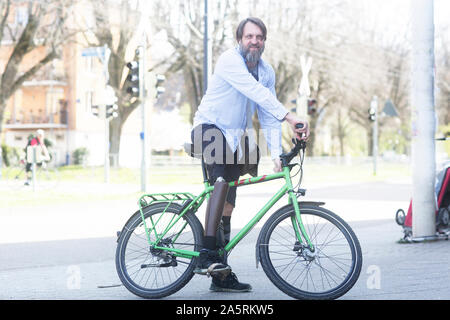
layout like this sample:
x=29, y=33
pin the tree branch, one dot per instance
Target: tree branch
x=32, y=71
x=4, y=17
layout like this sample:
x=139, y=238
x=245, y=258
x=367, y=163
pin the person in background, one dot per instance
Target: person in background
x=35, y=142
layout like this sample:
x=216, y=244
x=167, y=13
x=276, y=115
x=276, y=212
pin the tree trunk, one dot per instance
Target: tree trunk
x=115, y=133
x=370, y=141
x=340, y=132
x=2, y=111
x=312, y=136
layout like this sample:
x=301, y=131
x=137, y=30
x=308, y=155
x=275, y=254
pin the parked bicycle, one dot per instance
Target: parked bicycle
x=307, y=251
x=46, y=175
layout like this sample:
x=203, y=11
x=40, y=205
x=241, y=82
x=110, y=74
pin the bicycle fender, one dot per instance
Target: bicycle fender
x=301, y=204
x=164, y=204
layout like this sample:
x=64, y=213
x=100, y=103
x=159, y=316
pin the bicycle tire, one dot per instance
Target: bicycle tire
x=133, y=238
x=15, y=177
x=47, y=178
x=278, y=233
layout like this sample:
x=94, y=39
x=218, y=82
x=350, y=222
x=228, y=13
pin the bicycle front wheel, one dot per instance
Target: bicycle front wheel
x=47, y=177
x=155, y=273
x=328, y=272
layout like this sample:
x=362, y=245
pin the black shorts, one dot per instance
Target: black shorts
x=219, y=163
x=29, y=165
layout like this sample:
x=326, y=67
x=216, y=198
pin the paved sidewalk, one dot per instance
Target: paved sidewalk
x=42, y=250
x=391, y=271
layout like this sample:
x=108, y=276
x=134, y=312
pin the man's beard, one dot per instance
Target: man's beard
x=251, y=56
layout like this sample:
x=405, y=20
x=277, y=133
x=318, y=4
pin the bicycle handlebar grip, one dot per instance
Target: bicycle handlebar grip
x=299, y=126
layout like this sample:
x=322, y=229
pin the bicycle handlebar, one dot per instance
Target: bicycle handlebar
x=298, y=145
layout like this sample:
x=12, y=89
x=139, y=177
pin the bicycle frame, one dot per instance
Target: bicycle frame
x=196, y=202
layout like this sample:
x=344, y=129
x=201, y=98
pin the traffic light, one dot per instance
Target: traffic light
x=372, y=114
x=160, y=78
x=111, y=111
x=312, y=106
x=133, y=78
x=95, y=110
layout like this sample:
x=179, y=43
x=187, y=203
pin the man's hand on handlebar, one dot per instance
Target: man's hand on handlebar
x=277, y=165
x=299, y=127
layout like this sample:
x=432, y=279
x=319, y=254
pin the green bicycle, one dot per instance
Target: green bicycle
x=307, y=251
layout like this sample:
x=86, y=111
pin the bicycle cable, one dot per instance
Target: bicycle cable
x=300, y=170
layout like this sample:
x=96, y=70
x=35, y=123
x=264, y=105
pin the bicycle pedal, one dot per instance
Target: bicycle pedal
x=217, y=273
x=211, y=272
x=220, y=275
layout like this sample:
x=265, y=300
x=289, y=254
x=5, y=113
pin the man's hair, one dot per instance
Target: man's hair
x=257, y=21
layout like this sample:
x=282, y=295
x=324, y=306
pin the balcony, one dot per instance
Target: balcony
x=39, y=119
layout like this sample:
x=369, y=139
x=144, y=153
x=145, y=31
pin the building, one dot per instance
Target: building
x=60, y=97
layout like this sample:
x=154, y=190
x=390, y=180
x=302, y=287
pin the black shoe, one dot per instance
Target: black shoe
x=229, y=284
x=210, y=263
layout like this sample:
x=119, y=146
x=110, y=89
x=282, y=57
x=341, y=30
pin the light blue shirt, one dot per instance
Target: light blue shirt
x=232, y=96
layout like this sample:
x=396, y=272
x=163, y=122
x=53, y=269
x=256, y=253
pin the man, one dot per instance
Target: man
x=242, y=82
x=35, y=143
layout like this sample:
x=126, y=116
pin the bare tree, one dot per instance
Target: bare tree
x=377, y=65
x=114, y=25
x=42, y=26
x=183, y=22
x=443, y=75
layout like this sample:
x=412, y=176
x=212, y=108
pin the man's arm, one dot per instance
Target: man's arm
x=44, y=150
x=272, y=126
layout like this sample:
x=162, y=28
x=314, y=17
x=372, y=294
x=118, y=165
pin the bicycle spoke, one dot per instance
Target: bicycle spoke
x=155, y=269
x=317, y=272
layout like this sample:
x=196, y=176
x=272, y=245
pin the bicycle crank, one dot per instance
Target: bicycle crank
x=172, y=263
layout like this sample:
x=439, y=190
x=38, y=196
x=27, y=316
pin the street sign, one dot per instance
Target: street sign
x=389, y=109
x=93, y=52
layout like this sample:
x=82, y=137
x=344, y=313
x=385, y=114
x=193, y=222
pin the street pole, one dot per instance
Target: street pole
x=142, y=56
x=105, y=60
x=374, y=106
x=206, y=51
x=33, y=169
x=142, y=52
x=303, y=90
x=102, y=110
x=423, y=120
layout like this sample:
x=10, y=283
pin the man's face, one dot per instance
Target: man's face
x=252, y=42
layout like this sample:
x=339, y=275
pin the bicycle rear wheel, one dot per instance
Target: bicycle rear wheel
x=15, y=177
x=152, y=273
x=328, y=272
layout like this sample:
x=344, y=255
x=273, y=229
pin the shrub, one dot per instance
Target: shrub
x=80, y=156
x=10, y=155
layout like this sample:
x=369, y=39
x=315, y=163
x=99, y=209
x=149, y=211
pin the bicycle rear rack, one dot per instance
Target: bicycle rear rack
x=148, y=199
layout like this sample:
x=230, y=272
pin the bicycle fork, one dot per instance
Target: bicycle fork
x=296, y=220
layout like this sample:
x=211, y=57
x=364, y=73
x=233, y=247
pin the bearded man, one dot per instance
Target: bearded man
x=242, y=83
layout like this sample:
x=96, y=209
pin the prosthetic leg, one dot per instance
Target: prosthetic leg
x=210, y=263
